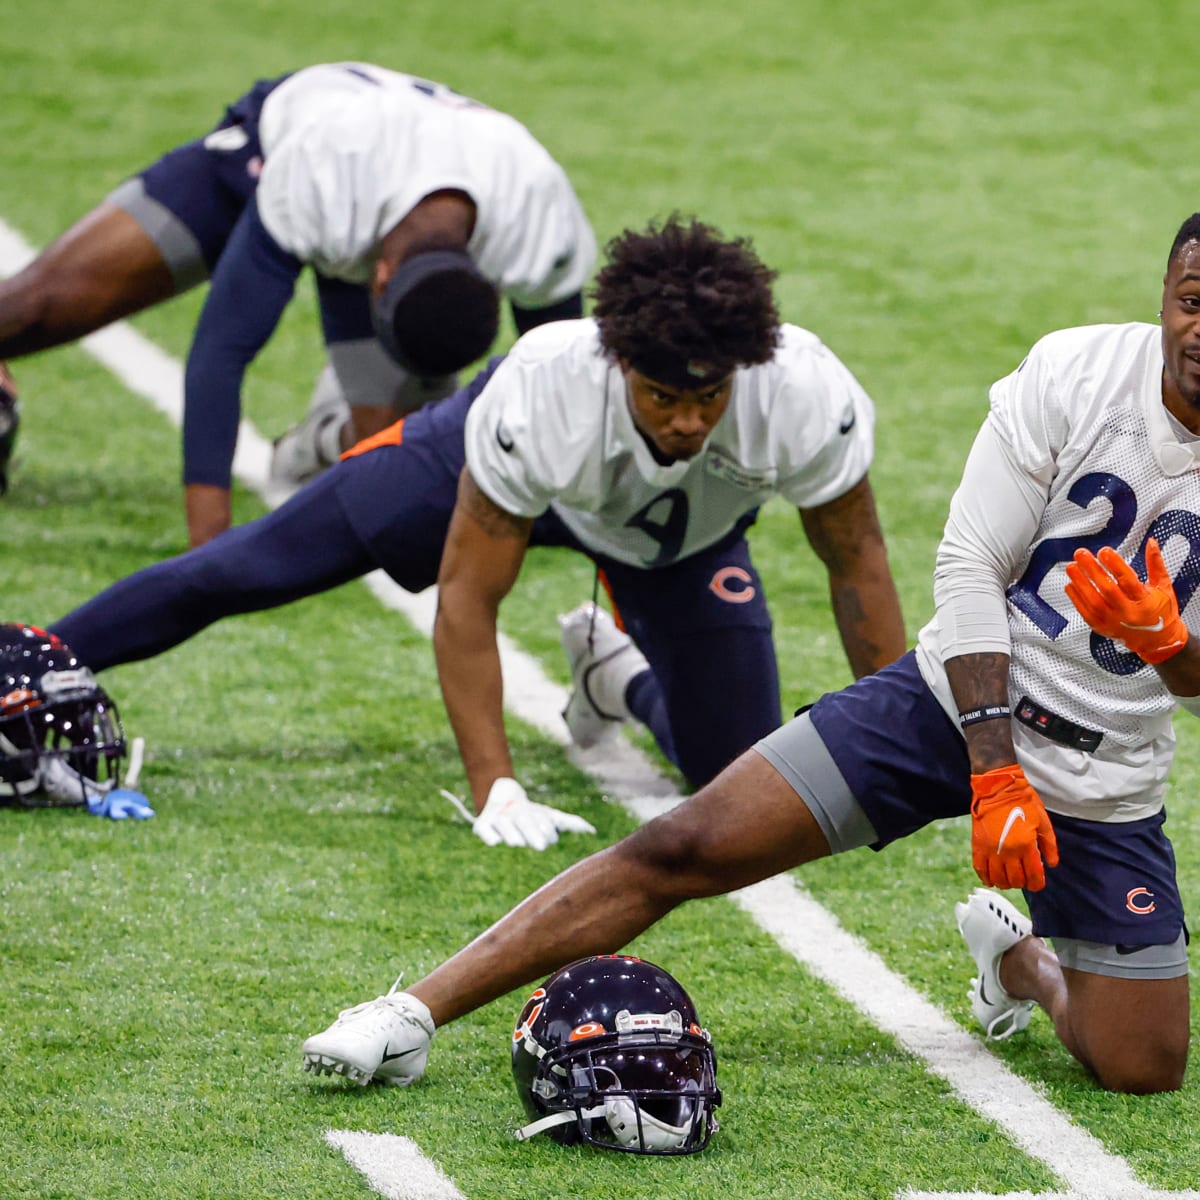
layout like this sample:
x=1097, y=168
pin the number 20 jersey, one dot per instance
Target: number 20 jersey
x=1083, y=415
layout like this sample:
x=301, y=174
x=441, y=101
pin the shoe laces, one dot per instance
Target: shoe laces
x=391, y=1000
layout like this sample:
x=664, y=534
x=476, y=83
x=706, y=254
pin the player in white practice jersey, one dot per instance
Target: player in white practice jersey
x=412, y=204
x=1039, y=701
x=645, y=438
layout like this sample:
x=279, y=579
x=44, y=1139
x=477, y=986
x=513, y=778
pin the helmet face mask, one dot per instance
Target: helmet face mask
x=61, y=739
x=609, y=1052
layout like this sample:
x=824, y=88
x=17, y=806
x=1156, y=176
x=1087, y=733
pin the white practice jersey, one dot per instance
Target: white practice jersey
x=349, y=149
x=552, y=430
x=1077, y=451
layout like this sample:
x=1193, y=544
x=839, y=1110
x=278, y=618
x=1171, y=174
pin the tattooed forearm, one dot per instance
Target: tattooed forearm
x=846, y=536
x=977, y=681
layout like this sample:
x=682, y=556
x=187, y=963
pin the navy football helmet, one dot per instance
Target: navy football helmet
x=609, y=1051
x=61, y=739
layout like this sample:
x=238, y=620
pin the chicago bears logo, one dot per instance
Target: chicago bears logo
x=529, y=1015
x=734, y=585
x=1140, y=900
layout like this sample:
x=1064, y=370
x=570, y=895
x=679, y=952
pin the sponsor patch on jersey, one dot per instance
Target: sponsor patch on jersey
x=719, y=464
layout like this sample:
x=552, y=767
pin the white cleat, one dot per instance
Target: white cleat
x=307, y=449
x=603, y=660
x=385, y=1040
x=990, y=926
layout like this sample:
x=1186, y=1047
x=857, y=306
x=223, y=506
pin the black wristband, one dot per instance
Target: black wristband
x=989, y=712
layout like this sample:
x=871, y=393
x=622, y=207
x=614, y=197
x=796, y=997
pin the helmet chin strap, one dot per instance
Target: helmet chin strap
x=622, y=1118
x=555, y=1119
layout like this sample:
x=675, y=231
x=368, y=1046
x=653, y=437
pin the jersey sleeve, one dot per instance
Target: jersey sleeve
x=323, y=194
x=994, y=515
x=290, y=200
x=830, y=421
x=554, y=248
x=1027, y=411
x=520, y=449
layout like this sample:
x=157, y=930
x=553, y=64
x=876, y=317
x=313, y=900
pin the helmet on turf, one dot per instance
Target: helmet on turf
x=609, y=1051
x=60, y=735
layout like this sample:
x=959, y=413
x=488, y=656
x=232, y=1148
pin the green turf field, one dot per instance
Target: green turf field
x=938, y=184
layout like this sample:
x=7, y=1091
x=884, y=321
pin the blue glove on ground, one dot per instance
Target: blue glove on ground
x=119, y=804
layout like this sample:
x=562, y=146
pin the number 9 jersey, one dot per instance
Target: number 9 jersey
x=553, y=430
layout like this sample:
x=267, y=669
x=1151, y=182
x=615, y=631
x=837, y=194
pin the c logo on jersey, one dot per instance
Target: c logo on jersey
x=1135, y=901
x=735, y=585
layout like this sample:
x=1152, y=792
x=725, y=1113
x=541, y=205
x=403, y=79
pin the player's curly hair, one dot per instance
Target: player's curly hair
x=1189, y=231
x=679, y=295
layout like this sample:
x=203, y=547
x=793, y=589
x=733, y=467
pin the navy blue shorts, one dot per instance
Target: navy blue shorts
x=905, y=764
x=1115, y=883
x=206, y=187
x=898, y=751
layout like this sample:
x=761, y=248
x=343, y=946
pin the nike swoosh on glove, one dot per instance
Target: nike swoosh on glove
x=509, y=816
x=1012, y=840
x=1111, y=598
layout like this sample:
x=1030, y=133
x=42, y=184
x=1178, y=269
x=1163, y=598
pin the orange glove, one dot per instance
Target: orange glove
x=1117, y=604
x=1011, y=835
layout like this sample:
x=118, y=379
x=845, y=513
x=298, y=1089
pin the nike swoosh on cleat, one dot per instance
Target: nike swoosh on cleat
x=400, y=1054
x=982, y=993
x=1147, y=628
x=1017, y=814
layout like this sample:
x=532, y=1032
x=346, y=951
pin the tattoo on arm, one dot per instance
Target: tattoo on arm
x=489, y=516
x=978, y=680
x=837, y=530
x=846, y=537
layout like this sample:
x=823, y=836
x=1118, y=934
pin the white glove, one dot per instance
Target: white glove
x=509, y=816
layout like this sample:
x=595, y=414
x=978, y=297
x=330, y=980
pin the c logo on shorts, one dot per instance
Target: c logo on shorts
x=1133, y=897
x=743, y=591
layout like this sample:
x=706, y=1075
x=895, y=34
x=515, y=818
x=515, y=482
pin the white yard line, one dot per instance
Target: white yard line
x=394, y=1165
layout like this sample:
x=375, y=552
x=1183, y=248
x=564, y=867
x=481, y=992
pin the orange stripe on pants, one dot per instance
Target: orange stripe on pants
x=393, y=435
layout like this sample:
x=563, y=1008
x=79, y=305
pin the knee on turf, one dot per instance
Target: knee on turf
x=1155, y=1063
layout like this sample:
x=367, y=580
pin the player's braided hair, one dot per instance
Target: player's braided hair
x=679, y=294
x=1189, y=231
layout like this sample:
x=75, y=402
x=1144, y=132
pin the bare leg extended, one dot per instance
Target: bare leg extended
x=103, y=268
x=745, y=826
x=1131, y=1034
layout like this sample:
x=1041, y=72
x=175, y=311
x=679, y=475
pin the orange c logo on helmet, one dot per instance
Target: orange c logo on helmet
x=588, y=1029
x=720, y=587
x=525, y=1026
x=1136, y=894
